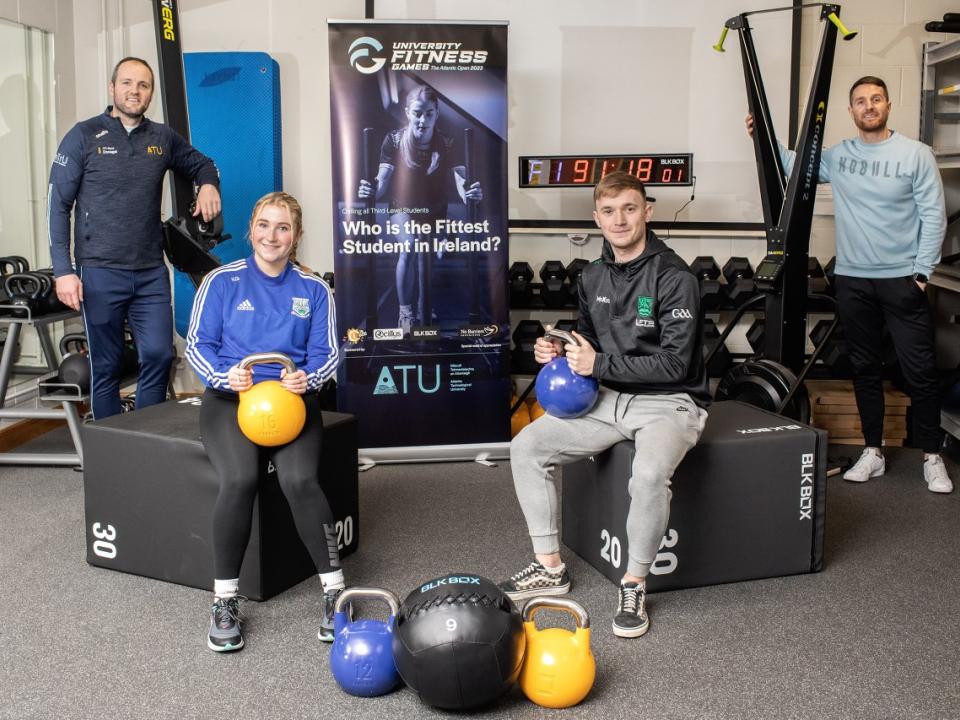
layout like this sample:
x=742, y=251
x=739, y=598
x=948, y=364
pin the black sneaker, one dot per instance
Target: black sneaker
x=535, y=580
x=631, y=619
x=325, y=633
x=225, y=633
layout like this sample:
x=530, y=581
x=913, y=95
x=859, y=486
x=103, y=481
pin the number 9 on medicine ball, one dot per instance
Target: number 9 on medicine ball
x=458, y=642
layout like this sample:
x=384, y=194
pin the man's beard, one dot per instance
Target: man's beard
x=138, y=114
x=868, y=126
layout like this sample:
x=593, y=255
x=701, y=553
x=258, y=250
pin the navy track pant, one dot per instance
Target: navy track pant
x=142, y=298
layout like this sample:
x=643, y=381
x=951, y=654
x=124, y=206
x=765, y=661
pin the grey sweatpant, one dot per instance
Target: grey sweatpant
x=663, y=428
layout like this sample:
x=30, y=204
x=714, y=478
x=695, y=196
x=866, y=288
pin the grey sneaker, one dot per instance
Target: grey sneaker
x=535, y=580
x=935, y=473
x=631, y=619
x=325, y=633
x=870, y=465
x=225, y=633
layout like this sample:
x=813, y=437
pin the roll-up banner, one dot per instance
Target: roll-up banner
x=419, y=162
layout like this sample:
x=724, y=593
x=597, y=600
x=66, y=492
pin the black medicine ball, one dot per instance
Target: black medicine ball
x=459, y=641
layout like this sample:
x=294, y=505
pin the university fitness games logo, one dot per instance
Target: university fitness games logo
x=361, y=58
x=367, y=56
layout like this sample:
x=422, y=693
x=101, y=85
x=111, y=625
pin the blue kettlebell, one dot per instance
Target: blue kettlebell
x=361, y=658
x=562, y=392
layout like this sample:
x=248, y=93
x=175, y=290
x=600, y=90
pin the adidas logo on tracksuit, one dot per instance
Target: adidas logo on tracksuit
x=245, y=305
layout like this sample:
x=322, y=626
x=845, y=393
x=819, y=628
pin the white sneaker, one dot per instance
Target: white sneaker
x=870, y=465
x=935, y=473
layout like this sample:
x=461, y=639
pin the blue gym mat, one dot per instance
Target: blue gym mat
x=234, y=104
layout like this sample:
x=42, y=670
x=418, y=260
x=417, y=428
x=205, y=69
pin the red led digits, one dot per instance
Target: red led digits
x=587, y=170
x=644, y=166
x=609, y=165
x=582, y=170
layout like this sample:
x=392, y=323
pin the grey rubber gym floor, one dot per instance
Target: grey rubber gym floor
x=875, y=635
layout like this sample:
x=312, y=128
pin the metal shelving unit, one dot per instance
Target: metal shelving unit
x=940, y=128
x=49, y=391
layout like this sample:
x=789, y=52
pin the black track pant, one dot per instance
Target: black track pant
x=865, y=305
x=238, y=462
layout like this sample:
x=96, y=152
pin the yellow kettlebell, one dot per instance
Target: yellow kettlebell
x=558, y=668
x=536, y=410
x=269, y=414
x=520, y=418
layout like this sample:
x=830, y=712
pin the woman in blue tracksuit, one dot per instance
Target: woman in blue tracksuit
x=264, y=303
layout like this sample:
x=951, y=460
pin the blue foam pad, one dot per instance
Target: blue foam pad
x=234, y=104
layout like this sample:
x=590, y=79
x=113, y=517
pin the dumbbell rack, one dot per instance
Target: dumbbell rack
x=67, y=396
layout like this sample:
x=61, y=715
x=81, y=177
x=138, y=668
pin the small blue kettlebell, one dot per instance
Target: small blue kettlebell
x=560, y=391
x=361, y=658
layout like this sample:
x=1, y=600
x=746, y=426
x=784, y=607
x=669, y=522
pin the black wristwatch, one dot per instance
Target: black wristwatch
x=921, y=278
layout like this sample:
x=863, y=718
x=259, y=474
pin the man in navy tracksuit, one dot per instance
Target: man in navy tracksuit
x=109, y=171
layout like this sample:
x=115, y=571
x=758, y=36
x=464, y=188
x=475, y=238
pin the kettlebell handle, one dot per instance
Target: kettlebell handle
x=267, y=357
x=368, y=592
x=14, y=282
x=563, y=335
x=77, y=339
x=570, y=607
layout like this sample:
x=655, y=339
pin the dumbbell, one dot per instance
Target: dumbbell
x=722, y=360
x=830, y=273
x=574, y=268
x=755, y=336
x=739, y=275
x=555, y=290
x=521, y=291
x=566, y=324
x=524, y=337
x=834, y=354
x=708, y=272
x=327, y=277
x=816, y=278
x=74, y=364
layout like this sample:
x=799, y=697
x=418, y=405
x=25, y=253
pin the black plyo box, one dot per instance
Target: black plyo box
x=149, y=492
x=749, y=502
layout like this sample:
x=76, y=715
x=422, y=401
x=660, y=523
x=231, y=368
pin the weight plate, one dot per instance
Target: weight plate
x=764, y=384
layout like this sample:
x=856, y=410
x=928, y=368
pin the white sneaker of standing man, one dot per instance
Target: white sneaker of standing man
x=870, y=465
x=935, y=473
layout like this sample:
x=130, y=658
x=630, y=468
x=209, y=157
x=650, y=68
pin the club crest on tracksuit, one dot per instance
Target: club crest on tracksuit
x=645, y=311
x=644, y=306
x=301, y=307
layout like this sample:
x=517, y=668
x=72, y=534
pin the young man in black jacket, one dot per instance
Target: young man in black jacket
x=639, y=335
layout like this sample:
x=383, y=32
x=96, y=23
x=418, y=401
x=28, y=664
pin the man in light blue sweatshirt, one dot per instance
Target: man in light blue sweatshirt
x=890, y=223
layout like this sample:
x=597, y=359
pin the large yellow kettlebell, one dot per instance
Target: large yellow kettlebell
x=558, y=668
x=269, y=414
